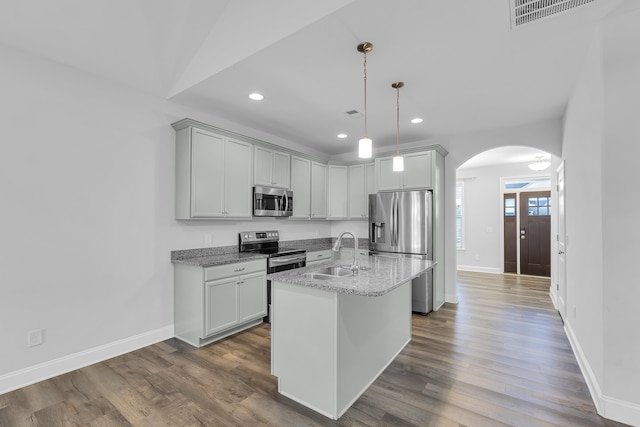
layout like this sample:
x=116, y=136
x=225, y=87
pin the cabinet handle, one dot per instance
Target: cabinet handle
x=239, y=282
x=240, y=269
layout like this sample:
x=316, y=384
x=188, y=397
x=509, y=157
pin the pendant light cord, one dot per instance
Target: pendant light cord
x=397, y=121
x=365, y=95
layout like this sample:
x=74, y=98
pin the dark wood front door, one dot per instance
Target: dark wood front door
x=535, y=233
x=510, y=234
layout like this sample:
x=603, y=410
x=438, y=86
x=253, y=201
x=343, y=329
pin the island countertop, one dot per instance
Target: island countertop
x=380, y=275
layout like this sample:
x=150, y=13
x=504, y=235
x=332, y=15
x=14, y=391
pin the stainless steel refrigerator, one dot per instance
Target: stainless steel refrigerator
x=401, y=225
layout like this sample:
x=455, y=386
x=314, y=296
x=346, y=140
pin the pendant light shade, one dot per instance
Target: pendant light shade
x=398, y=160
x=365, y=145
x=398, y=163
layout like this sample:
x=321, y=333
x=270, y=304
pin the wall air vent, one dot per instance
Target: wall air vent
x=525, y=11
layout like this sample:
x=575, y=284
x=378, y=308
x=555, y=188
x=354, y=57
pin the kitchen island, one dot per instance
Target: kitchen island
x=332, y=338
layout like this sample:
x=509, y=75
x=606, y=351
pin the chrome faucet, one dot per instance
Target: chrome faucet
x=336, y=248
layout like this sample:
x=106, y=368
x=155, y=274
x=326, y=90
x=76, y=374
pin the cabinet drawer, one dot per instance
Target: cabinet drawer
x=319, y=255
x=236, y=269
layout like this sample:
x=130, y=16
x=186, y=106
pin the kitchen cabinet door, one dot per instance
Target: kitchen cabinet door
x=213, y=175
x=207, y=174
x=253, y=296
x=281, y=170
x=221, y=305
x=272, y=168
x=361, y=184
x=417, y=171
x=356, y=192
x=238, y=177
x=338, y=192
x=263, y=166
x=301, y=187
x=417, y=174
x=318, y=191
x=387, y=178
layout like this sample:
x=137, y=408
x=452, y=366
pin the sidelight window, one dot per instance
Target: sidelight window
x=459, y=215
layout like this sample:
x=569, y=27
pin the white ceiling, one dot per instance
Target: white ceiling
x=464, y=69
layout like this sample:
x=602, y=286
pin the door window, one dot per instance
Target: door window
x=539, y=206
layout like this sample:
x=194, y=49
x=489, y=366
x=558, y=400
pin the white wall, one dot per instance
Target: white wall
x=87, y=217
x=482, y=213
x=620, y=154
x=601, y=149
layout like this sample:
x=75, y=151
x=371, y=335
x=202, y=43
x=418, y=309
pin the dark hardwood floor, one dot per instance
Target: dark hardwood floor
x=499, y=357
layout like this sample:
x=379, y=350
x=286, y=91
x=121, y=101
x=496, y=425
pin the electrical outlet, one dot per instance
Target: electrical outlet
x=208, y=239
x=477, y=257
x=34, y=337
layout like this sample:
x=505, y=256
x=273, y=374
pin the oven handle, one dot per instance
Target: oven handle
x=278, y=261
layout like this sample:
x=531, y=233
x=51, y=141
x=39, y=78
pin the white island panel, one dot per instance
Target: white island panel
x=303, y=345
x=328, y=347
x=372, y=331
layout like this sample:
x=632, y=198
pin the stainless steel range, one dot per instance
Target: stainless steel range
x=279, y=259
x=266, y=242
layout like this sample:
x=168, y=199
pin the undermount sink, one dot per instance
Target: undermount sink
x=328, y=273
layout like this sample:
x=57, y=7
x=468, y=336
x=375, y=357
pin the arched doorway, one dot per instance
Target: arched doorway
x=504, y=212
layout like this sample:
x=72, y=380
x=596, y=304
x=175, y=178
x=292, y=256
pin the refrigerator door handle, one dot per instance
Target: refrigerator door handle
x=394, y=215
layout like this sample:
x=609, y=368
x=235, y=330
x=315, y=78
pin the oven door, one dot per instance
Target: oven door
x=286, y=262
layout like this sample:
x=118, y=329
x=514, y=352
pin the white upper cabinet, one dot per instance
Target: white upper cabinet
x=301, y=187
x=418, y=172
x=272, y=168
x=361, y=184
x=318, y=191
x=213, y=175
x=338, y=192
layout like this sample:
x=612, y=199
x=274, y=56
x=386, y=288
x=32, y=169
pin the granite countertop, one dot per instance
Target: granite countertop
x=381, y=275
x=213, y=260
x=209, y=257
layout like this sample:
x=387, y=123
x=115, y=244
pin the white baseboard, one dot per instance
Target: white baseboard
x=608, y=407
x=33, y=374
x=451, y=298
x=553, y=297
x=477, y=269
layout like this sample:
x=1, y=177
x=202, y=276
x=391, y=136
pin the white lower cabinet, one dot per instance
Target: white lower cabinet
x=211, y=303
x=316, y=257
x=346, y=254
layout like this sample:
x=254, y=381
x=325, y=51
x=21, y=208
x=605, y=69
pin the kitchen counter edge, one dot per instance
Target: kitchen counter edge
x=383, y=275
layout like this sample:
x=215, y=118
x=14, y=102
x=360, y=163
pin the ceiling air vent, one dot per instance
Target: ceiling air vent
x=525, y=11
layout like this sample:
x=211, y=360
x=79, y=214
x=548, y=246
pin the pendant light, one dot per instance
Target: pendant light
x=398, y=160
x=365, y=149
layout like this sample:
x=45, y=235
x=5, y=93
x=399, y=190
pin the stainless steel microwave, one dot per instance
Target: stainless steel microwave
x=269, y=201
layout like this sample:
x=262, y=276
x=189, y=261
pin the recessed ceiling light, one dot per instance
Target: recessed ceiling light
x=342, y=135
x=256, y=96
x=416, y=120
